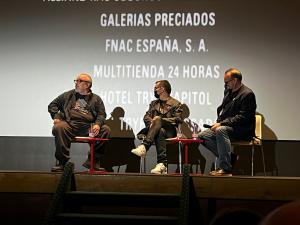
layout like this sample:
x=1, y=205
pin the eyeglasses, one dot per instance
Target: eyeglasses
x=80, y=81
x=226, y=82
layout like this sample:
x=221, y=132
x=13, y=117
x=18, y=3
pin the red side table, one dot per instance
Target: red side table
x=185, y=141
x=92, y=141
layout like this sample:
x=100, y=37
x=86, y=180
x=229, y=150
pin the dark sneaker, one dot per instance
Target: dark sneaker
x=58, y=168
x=86, y=164
x=97, y=167
x=220, y=172
x=233, y=159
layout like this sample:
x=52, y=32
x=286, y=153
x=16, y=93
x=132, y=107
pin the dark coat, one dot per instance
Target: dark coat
x=238, y=112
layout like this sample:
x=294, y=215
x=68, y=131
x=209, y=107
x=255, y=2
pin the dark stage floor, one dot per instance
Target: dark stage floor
x=28, y=194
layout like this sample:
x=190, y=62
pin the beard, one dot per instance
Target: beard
x=82, y=92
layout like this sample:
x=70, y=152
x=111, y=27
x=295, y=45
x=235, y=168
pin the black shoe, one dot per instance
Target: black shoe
x=221, y=172
x=86, y=164
x=97, y=167
x=233, y=159
x=58, y=168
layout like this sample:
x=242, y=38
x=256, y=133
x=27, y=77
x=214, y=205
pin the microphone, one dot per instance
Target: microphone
x=207, y=126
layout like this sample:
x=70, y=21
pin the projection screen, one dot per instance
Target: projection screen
x=127, y=45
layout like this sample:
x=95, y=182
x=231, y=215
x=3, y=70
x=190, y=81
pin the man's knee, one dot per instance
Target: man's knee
x=206, y=134
x=201, y=135
x=222, y=130
x=156, y=120
x=105, y=130
x=59, y=127
x=162, y=132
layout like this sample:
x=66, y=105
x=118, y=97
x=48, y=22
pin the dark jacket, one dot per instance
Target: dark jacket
x=60, y=107
x=238, y=111
x=171, y=112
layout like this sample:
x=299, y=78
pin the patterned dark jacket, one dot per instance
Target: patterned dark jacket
x=170, y=111
x=60, y=107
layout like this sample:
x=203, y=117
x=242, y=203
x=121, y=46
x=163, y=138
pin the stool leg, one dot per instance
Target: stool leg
x=92, y=144
x=186, y=154
x=179, y=157
x=216, y=159
x=252, y=159
x=263, y=159
x=143, y=161
x=143, y=165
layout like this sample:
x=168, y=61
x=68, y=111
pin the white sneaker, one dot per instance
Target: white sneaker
x=160, y=168
x=139, y=151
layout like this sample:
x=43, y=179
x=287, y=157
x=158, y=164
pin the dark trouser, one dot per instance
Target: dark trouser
x=64, y=133
x=158, y=131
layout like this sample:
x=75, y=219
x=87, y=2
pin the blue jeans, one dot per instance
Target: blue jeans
x=218, y=142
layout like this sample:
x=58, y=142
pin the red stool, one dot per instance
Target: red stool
x=92, y=141
x=185, y=141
